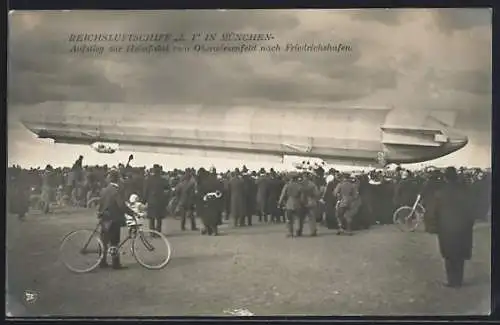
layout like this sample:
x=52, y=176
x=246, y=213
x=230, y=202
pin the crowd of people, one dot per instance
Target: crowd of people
x=337, y=200
x=318, y=194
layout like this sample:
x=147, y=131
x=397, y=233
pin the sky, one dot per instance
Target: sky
x=406, y=58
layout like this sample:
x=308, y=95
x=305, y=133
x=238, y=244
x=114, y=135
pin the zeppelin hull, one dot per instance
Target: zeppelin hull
x=340, y=134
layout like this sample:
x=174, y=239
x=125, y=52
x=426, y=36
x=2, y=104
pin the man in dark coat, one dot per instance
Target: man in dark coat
x=364, y=218
x=429, y=191
x=237, y=196
x=378, y=197
x=210, y=190
x=454, y=227
x=262, y=184
x=154, y=197
x=76, y=173
x=275, y=187
x=19, y=193
x=250, y=197
x=112, y=210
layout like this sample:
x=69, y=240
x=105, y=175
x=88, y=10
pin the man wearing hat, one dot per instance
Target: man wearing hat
x=155, y=198
x=348, y=203
x=48, y=186
x=186, y=193
x=455, y=223
x=262, y=193
x=430, y=188
x=310, y=196
x=275, y=187
x=112, y=210
x=291, y=192
x=237, y=198
x=250, y=192
x=210, y=203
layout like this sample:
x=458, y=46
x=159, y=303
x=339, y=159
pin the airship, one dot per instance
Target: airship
x=358, y=136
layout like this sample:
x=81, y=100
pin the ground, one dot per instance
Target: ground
x=381, y=271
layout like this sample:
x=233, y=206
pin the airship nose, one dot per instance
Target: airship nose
x=37, y=118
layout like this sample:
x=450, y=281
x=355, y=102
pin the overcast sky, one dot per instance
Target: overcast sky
x=411, y=58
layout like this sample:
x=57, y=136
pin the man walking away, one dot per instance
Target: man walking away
x=186, y=192
x=454, y=227
x=238, y=199
x=310, y=198
x=348, y=203
x=210, y=190
x=291, y=193
x=154, y=196
x=261, y=195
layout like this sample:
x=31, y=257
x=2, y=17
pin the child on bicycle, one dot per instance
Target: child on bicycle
x=135, y=205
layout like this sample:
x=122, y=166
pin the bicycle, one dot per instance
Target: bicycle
x=136, y=233
x=408, y=218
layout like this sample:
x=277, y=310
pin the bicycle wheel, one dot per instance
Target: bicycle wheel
x=73, y=255
x=93, y=203
x=403, y=218
x=417, y=217
x=151, y=249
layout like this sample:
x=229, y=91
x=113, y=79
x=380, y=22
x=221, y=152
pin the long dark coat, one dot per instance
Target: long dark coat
x=237, y=196
x=19, y=194
x=330, y=202
x=250, y=195
x=275, y=187
x=154, y=195
x=262, y=193
x=212, y=208
x=454, y=222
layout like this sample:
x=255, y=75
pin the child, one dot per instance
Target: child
x=135, y=205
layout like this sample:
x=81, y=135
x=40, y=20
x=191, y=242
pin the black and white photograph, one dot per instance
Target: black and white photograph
x=249, y=163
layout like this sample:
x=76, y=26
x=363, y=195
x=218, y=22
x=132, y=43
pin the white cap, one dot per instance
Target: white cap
x=330, y=178
x=133, y=198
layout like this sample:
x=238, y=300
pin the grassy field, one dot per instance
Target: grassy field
x=376, y=272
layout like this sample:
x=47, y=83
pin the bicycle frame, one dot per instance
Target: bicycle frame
x=414, y=209
x=132, y=233
x=417, y=201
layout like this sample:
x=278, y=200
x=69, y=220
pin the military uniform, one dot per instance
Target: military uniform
x=186, y=192
x=310, y=196
x=291, y=192
x=348, y=204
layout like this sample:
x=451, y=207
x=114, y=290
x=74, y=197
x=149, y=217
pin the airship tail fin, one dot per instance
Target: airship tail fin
x=413, y=136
